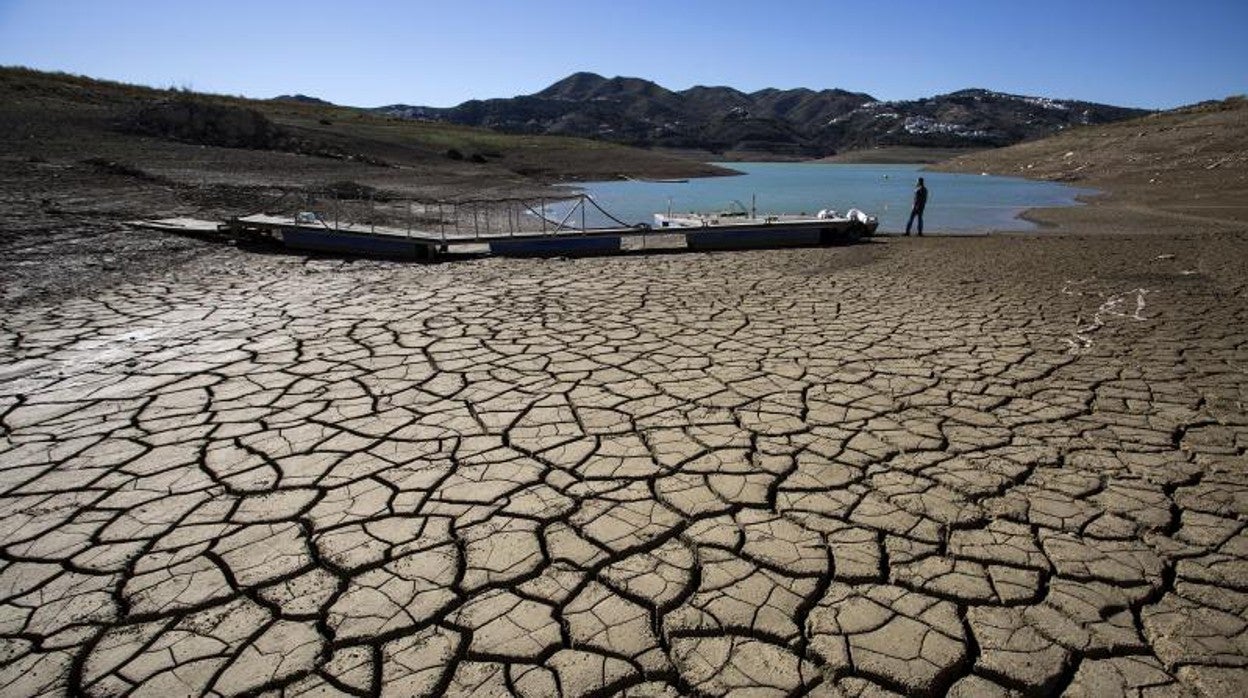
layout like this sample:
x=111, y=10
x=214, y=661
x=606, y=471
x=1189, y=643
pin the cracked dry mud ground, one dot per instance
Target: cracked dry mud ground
x=989, y=467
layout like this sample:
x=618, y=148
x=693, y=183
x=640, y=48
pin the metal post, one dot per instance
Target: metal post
x=542, y=214
x=335, y=210
x=372, y=214
x=583, y=207
x=476, y=224
x=409, y=218
x=571, y=212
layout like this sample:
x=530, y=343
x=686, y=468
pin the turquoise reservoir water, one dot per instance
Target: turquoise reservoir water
x=957, y=203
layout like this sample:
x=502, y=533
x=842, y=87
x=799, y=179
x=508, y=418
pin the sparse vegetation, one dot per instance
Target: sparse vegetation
x=206, y=123
x=346, y=189
x=106, y=166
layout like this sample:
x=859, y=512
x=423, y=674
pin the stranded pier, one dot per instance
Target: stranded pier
x=509, y=227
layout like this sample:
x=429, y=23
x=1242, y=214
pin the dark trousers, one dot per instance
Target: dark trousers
x=915, y=213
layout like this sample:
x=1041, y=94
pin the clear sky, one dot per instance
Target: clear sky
x=1144, y=53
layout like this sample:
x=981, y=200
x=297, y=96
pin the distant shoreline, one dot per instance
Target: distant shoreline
x=887, y=155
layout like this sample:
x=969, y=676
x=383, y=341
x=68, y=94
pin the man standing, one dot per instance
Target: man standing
x=920, y=201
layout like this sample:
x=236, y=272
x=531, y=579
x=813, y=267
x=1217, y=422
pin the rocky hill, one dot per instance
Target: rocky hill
x=797, y=122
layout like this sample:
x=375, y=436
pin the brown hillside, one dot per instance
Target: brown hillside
x=189, y=138
x=1190, y=163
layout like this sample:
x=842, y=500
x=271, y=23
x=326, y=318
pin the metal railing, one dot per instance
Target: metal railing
x=446, y=220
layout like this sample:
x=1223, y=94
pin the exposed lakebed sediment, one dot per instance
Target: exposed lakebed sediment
x=920, y=465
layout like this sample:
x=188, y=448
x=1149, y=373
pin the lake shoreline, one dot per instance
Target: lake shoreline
x=960, y=204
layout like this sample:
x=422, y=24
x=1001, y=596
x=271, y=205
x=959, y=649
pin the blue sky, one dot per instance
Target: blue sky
x=1141, y=53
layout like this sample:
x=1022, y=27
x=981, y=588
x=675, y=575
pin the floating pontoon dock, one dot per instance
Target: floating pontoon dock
x=308, y=231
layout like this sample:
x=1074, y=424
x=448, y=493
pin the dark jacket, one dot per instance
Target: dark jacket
x=920, y=197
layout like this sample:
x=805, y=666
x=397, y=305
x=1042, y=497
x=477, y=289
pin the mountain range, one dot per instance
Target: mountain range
x=795, y=122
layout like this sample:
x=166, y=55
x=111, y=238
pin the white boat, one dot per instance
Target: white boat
x=737, y=216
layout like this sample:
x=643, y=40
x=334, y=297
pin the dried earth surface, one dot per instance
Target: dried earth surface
x=1013, y=465
x=919, y=468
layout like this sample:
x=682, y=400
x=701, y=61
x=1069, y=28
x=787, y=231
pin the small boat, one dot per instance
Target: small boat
x=738, y=216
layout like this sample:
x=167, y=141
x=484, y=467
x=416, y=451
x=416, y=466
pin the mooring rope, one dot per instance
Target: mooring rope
x=621, y=223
